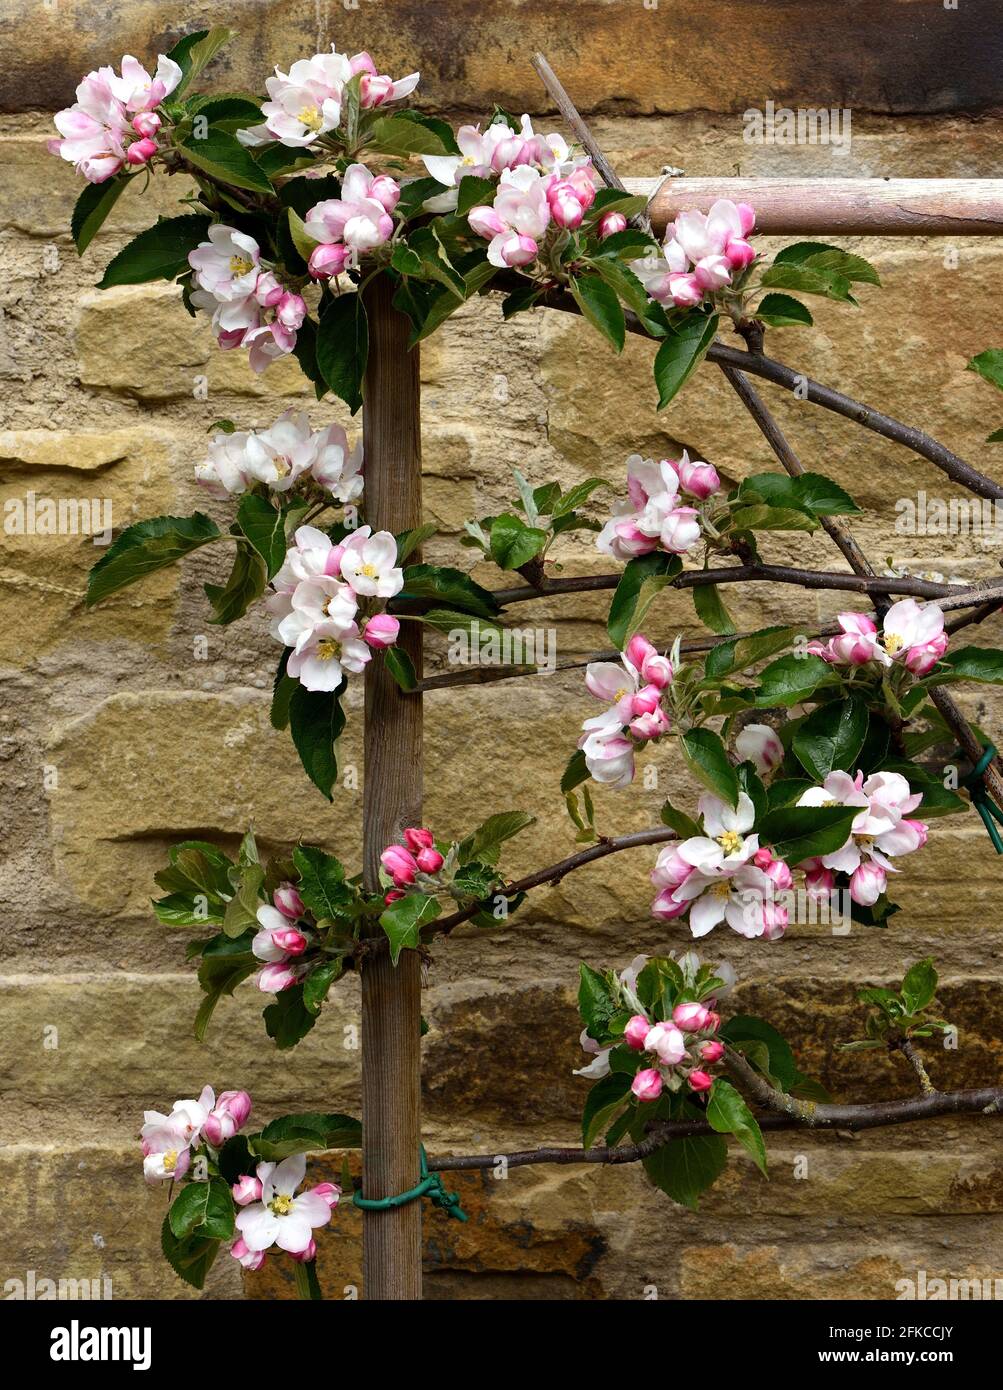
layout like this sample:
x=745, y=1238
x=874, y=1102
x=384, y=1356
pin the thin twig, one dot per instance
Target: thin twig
x=907, y=1050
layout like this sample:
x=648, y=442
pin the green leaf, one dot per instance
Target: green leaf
x=246, y=583
x=728, y=1113
x=401, y=667
x=220, y=974
x=403, y=920
x=599, y=304
x=761, y=518
x=190, y=1259
x=203, y=1207
x=485, y=842
x=91, y=209
x=288, y=1020
x=823, y=496
x=602, y=1103
x=264, y=527
x=513, y=543
x=982, y=664
x=681, y=352
x=159, y=253
x=242, y=909
x=449, y=586
x=684, y=826
x=195, y=52
x=322, y=883
x=685, y=1168
x=781, y=311
x=343, y=347
x=710, y=608
x=319, y=981
x=627, y=599
x=412, y=132
x=707, y=758
x=316, y=721
x=743, y=1029
x=919, y=985
x=791, y=679
x=188, y=910
x=472, y=192
x=147, y=546
x=796, y=833
x=819, y=255
x=229, y=113
x=574, y=497
x=598, y=1003
x=832, y=737
x=989, y=365
x=575, y=773
x=307, y=1133
x=283, y=689
x=728, y=657
x=808, y=280
x=224, y=158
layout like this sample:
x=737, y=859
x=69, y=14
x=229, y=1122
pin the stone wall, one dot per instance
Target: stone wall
x=117, y=739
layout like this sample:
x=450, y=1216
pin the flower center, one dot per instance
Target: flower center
x=282, y=466
x=893, y=643
x=619, y=694
x=311, y=118
x=722, y=889
x=328, y=649
x=864, y=841
x=281, y=1205
x=730, y=841
x=170, y=1160
x=240, y=265
x=368, y=570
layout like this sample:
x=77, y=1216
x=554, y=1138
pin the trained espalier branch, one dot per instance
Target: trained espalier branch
x=334, y=224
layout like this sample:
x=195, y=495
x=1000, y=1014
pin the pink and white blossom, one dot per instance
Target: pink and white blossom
x=281, y=1217
x=304, y=103
x=369, y=563
x=761, y=746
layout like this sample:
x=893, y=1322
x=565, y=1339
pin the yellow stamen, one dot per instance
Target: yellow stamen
x=170, y=1160
x=893, y=643
x=281, y=1205
x=310, y=117
x=730, y=841
x=721, y=890
x=368, y=570
x=328, y=648
x=240, y=265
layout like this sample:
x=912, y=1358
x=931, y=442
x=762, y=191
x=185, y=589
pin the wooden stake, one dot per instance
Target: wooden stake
x=391, y=995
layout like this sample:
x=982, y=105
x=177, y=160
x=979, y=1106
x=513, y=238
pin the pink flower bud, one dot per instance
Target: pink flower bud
x=760, y=745
x=666, y=1042
x=867, y=883
x=141, y=151
x=611, y=223
x=330, y=1191
x=636, y=1031
x=308, y=1253
x=400, y=865
x=231, y=338
x=700, y=1081
x=245, y=1190
x=747, y=217
x=712, y=1022
x=288, y=939
x=373, y=91
x=291, y=310
x=250, y=1259
x=775, y=921
x=146, y=123
x=582, y=182
x=819, y=883
x=647, y=1084
x=267, y=289
x=386, y=191
x=381, y=630
x=486, y=222
x=565, y=207
x=327, y=260
x=924, y=657
x=779, y=875
x=671, y=869
x=652, y=725
x=417, y=838
x=920, y=829
x=393, y=895
x=518, y=250
x=685, y=290
x=238, y=1103
x=739, y=253
x=429, y=861
x=712, y=1051
x=690, y=1017
x=273, y=979
x=698, y=479
x=665, y=906
x=226, y=1117
x=288, y=901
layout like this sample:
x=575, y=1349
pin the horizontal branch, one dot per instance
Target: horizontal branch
x=555, y=872
x=987, y=1100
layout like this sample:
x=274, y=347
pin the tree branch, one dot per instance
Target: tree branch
x=987, y=1101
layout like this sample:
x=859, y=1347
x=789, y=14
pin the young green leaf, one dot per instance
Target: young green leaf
x=707, y=759
x=599, y=304
x=147, y=546
x=159, y=253
x=683, y=349
x=403, y=920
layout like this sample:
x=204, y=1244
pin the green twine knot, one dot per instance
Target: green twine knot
x=981, y=800
x=429, y=1185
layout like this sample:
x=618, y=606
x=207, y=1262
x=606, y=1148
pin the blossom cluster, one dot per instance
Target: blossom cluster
x=112, y=125
x=305, y=102
x=912, y=635
x=360, y=220
x=168, y=1140
x=527, y=204
x=320, y=593
x=281, y=941
x=248, y=304
x=411, y=864
x=701, y=254
x=287, y=454
x=654, y=516
x=272, y=1214
x=633, y=692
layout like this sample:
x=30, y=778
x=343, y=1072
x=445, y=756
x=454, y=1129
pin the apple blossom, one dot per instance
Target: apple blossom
x=400, y=864
x=690, y=1017
x=325, y=652
x=328, y=259
x=666, y=1041
x=245, y=1190
x=288, y=901
x=697, y=478
x=330, y=1191
x=250, y=1259
x=94, y=130
x=166, y=1158
x=648, y=661
x=279, y=976
x=312, y=554
x=146, y=123
x=376, y=88
x=418, y=837
x=369, y=563
x=879, y=831
x=226, y=266
x=610, y=223
x=647, y=1084
x=137, y=90
x=711, y=1051
x=680, y=531
x=381, y=630
x=761, y=746
x=337, y=468
x=305, y=102
x=523, y=216
x=264, y=945
x=609, y=755
x=227, y=1116
x=281, y=1218
x=360, y=219
x=637, y=1029
x=699, y=1081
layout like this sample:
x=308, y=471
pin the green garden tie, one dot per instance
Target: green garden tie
x=429, y=1185
x=981, y=800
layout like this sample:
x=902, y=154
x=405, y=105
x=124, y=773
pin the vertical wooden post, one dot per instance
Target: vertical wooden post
x=391, y=996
